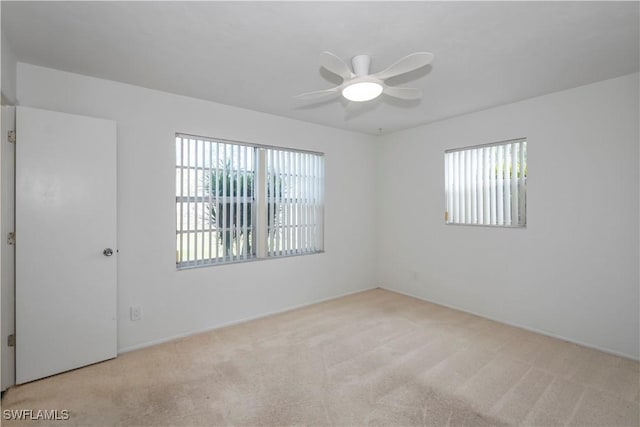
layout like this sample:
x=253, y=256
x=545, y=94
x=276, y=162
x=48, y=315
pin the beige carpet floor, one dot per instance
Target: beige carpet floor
x=373, y=358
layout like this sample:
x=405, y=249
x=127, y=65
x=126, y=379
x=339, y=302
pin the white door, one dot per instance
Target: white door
x=65, y=227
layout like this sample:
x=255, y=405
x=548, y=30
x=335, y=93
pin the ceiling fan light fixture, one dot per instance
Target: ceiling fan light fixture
x=362, y=91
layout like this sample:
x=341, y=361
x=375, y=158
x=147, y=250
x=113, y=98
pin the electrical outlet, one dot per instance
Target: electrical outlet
x=136, y=313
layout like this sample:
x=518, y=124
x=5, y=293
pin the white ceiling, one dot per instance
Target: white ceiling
x=259, y=55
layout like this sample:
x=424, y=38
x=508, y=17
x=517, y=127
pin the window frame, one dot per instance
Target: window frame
x=521, y=185
x=259, y=202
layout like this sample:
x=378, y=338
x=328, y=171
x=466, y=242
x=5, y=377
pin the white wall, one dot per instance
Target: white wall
x=573, y=272
x=182, y=302
x=8, y=79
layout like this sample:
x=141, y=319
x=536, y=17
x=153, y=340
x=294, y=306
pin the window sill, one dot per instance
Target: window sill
x=197, y=264
x=486, y=225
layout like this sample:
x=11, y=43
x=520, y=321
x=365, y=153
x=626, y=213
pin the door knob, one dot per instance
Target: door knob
x=107, y=252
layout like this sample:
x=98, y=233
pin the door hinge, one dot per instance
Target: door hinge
x=11, y=340
x=11, y=238
x=11, y=136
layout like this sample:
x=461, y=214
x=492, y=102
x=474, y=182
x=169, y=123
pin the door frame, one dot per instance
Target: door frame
x=7, y=251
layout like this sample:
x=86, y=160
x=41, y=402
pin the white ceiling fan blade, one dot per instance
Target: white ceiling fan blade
x=408, y=93
x=336, y=65
x=406, y=64
x=318, y=94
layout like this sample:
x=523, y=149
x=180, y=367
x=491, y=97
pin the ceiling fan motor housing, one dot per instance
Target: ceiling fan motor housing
x=361, y=65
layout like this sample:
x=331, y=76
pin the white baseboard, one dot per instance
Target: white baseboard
x=527, y=328
x=235, y=322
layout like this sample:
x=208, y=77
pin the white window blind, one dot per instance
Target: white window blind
x=487, y=184
x=214, y=201
x=295, y=202
x=237, y=202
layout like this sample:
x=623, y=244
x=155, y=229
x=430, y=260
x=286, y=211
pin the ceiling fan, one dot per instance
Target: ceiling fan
x=360, y=86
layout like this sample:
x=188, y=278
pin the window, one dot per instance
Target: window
x=237, y=202
x=487, y=184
